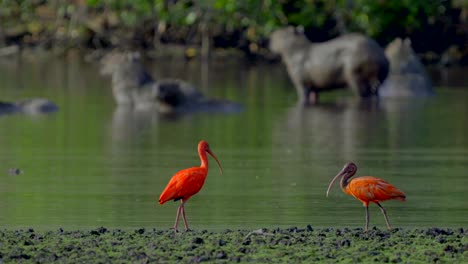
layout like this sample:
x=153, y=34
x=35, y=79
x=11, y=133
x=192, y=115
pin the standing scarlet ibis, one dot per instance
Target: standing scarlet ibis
x=367, y=189
x=186, y=183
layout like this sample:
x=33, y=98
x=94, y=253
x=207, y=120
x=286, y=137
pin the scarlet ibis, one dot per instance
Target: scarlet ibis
x=367, y=189
x=186, y=183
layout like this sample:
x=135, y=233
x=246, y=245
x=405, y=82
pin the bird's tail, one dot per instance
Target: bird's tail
x=398, y=195
x=401, y=198
x=162, y=199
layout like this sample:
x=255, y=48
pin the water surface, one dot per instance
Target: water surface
x=92, y=164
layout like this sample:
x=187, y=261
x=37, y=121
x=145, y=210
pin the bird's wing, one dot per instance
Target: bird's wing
x=183, y=184
x=373, y=189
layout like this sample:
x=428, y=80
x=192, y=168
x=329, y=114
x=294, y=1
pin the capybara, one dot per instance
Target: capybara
x=133, y=86
x=407, y=76
x=352, y=60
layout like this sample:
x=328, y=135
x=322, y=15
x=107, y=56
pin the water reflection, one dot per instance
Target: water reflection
x=338, y=125
x=410, y=143
x=453, y=77
x=97, y=164
x=350, y=124
x=128, y=123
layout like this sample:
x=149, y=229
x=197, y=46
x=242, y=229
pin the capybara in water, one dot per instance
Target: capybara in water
x=352, y=60
x=30, y=106
x=133, y=86
x=36, y=106
x=407, y=76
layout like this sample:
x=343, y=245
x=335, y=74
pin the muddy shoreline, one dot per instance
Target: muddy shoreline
x=290, y=245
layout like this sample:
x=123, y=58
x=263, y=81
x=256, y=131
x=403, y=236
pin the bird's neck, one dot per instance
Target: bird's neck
x=203, y=159
x=345, y=181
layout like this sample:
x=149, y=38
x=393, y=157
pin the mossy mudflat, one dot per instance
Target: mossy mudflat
x=291, y=245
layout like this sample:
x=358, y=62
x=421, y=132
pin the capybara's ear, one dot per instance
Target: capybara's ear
x=134, y=56
x=407, y=42
x=398, y=41
x=299, y=29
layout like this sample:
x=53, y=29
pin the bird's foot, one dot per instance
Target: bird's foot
x=175, y=229
x=188, y=230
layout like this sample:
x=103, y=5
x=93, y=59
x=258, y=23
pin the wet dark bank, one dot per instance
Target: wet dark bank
x=266, y=245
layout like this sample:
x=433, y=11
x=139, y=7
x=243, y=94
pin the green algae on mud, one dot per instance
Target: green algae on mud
x=264, y=245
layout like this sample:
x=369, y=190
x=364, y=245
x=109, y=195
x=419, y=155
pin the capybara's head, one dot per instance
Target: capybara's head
x=282, y=40
x=37, y=106
x=399, y=49
x=402, y=57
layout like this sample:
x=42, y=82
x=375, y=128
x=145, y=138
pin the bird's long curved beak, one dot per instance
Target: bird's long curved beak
x=217, y=161
x=340, y=174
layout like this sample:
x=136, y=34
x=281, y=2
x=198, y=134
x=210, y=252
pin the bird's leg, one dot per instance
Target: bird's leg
x=185, y=218
x=385, y=215
x=177, y=218
x=367, y=218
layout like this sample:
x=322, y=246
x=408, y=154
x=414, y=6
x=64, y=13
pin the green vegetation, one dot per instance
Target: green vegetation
x=242, y=24
x=278, y=246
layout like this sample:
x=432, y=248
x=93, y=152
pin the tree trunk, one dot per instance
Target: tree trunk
x=205, y=41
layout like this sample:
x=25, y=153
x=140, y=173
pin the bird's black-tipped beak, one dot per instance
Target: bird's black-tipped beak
x=339, y=175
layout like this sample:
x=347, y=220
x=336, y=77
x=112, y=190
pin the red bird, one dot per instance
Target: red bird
x=186, y=183
x=367, y=189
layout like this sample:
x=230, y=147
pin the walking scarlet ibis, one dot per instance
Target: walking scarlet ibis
x=186, y=183
x=367, y=189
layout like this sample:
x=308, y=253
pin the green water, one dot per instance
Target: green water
x=92, y=164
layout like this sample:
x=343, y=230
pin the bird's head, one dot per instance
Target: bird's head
x=348, y=171
x=204, y=146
